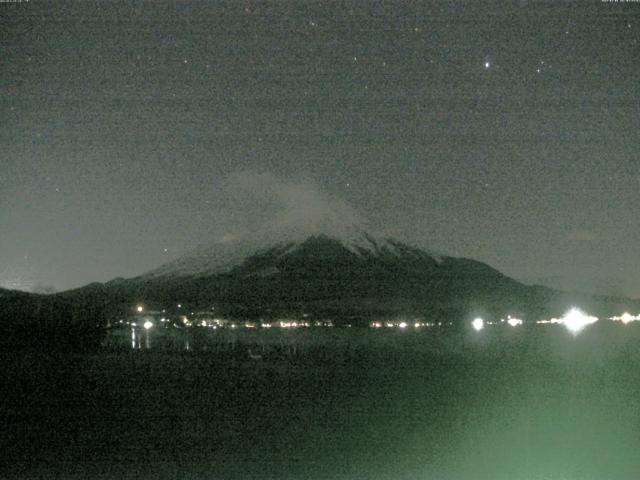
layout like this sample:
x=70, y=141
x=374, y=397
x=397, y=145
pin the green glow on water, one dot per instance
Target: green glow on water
x=517, y=403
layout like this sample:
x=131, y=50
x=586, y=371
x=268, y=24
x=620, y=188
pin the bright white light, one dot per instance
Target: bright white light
x=576, y=320
x=487, y=64
x=147, y=325
x=478, y=324
x=403, y=325
x=514, y=322
x=140, y=308
x=625, y=318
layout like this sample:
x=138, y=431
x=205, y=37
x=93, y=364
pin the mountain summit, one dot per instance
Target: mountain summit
x=225, y=256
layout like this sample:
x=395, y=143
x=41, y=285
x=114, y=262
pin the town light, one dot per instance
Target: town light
x=140, y=309
x=576, y=320
x=147, y=325
x=477, y=324
x=627, y=318
x=514, y=322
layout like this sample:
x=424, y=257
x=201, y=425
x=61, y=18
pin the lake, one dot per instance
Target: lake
x=503, y=403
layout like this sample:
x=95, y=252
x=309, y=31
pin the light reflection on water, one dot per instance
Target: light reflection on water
x=137, y=339
x=556, y=340
x=466, y=407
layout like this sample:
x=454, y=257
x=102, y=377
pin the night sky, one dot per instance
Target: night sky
x=503, y=131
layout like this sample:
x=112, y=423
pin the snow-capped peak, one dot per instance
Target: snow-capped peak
x=231, y=251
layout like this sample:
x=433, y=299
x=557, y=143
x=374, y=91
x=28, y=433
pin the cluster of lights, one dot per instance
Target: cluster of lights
x=514, y=322
x=575, y=320
x=402, y=324
x=323, y=324
x=511, y=321
x=625, y=318
x=221, y=323
x=293, y=324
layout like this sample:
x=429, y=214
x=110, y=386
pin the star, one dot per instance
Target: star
x=487, y=64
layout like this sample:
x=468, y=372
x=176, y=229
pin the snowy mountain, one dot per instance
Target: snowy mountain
x=333, y=269
x=223, y=257
x=341, y=269
x=324, y=271
x=329, y=269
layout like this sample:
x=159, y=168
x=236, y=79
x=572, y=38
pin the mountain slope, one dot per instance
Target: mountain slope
x=223, y=256
x=355, y=275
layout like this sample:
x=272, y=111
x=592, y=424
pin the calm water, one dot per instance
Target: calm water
x=337, y=403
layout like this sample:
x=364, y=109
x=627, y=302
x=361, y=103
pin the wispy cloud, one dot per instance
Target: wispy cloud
x=264, y=201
